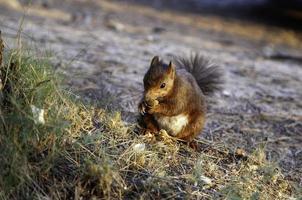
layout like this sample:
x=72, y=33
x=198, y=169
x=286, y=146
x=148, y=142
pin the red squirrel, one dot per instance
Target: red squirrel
x=174, y=95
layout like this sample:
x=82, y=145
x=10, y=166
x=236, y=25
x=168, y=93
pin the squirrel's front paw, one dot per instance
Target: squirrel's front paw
x=142, y=108
x=152, y=103
x=153, y=106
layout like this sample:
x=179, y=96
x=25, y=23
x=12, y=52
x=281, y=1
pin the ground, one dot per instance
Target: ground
x=104, y=48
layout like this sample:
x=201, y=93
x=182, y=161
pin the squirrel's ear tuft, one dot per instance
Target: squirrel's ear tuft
x=171, y=69
x=155, y=61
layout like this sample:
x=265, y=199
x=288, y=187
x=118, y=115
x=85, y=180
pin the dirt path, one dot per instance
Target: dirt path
x=105, y=48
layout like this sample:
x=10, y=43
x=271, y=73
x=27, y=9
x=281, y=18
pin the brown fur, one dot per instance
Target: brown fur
x=180, y=105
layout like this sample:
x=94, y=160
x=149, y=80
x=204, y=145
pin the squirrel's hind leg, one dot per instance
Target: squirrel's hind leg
x=149, y=123
x=193, y=128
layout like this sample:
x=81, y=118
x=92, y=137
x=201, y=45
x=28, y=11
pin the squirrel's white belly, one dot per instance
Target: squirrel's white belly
x=173, y=125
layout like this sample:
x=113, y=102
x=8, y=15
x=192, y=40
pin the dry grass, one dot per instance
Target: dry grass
x=81, y=151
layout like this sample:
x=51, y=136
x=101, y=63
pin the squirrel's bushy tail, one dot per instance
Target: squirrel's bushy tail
x=207, y=74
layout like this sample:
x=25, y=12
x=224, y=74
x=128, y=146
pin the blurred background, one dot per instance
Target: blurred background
x=104, y=49
x=278, y=12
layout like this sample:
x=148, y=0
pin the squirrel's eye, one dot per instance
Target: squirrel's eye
x=162, y=85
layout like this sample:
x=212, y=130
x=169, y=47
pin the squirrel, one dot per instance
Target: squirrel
x=175, y=95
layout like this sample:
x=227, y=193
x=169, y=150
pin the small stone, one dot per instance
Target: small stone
x=139, y=148
x=240, y=152
x=205, y=180
x=150, y=38
x=38, y=114
x=158, y=29
x=115, y=25
x=226, y=93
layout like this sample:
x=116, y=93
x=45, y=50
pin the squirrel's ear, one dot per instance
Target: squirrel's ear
x=154, y=61
x=171, y=69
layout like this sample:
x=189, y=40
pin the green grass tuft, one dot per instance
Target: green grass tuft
x=30, y=146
